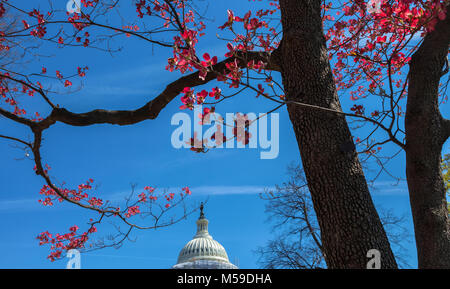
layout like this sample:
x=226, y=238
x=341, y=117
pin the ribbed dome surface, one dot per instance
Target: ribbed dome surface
x=203, y=251
x=202, y=248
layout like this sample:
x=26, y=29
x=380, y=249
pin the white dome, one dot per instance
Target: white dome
x=203, y=246
x=203, y=249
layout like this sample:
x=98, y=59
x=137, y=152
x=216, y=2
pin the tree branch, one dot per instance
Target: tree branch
x=16, y=139
x=16, y=118
x=152, y=108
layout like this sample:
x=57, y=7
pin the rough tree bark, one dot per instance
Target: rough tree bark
x=426, y=132
x=349, y=223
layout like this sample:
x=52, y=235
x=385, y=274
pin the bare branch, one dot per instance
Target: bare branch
x=16, y=139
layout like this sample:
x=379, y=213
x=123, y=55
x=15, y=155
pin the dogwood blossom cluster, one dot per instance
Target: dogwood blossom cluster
x=60, y=243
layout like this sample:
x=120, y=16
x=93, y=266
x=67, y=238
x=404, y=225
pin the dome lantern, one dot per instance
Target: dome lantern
x=202, y=226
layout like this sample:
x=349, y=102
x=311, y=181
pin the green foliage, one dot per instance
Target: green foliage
x=446, y=174
x=446, y=171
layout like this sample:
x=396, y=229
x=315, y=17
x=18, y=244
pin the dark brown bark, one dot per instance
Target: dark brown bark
x=426, y=132
x=349, y=223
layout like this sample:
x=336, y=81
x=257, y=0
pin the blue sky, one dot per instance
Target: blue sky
x=117, y=157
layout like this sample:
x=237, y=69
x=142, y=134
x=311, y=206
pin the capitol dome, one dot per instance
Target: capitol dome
x=203, y=252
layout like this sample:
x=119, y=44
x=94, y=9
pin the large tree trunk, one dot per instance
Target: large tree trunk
x=426, y=132
x=349, y=223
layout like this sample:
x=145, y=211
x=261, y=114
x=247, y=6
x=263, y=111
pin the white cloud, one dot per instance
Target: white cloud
x=18, y=204
x=385, y=188
x=196, y=191
x=229, y=190
x=380, y=188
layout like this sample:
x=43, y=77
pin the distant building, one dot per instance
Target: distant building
x=203, y=252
